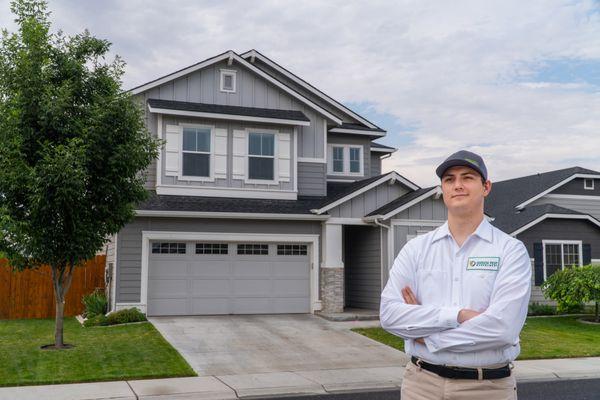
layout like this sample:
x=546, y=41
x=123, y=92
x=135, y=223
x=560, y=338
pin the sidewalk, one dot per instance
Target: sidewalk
x=279, y=383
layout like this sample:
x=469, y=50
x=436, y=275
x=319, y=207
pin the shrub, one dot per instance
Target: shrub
x=126, y=315
x=541, y=309
x=95, y=303
x=96, y=320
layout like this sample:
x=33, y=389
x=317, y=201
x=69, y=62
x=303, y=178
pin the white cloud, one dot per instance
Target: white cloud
x=447, y=68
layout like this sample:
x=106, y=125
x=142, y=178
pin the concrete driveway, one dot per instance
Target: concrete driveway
x=247, y=344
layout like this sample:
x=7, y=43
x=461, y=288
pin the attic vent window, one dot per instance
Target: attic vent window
x=588, y=184
x=228, y=80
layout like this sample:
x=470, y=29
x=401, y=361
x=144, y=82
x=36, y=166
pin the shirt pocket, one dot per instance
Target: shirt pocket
x=432, y=286
x=480, y=284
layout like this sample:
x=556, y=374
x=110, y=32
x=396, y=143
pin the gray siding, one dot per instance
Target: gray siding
x=251, y=91
x=588, y=206
x=229, y=181
x=365, y=141
x=129, y=242
x=371, y=200
x=575, y=186
x=311, y=179
x=375, y=164
x=562, y=229
x=402, y=232
x=362, y=266
x=429, y=209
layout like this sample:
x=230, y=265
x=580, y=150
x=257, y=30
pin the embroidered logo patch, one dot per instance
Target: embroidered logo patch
x=483, y=263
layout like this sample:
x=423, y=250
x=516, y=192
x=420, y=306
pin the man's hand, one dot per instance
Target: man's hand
x=409, y=296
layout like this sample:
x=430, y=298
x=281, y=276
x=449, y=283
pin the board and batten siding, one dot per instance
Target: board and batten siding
x=362, y=266
x=375, y=164
x=202, y=86
x=129, y=242
x=364, y=203
x=311, y=179
x=587, y=206
x=575, y=186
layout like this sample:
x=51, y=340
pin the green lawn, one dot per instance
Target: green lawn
x=554, y=337
x=133, y=351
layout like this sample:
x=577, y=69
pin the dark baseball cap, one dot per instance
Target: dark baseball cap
x=463, y=158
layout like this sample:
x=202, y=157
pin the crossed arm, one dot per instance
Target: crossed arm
x=452, y=328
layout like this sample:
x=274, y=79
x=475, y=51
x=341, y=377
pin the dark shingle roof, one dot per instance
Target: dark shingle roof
x=358, y=127
x=506, y=195
x=338, y=190
x=228, y=204
x=381, y=146
x=230, y=110
x=511, y=220
x=400, y=201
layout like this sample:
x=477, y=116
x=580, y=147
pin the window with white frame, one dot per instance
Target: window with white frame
x=261, y=156
x=228, y=80
x=345, y=160
x=196, y=151
x=560, y=254
x=588, y=184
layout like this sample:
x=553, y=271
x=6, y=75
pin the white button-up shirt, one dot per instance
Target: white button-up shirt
x=491, y=271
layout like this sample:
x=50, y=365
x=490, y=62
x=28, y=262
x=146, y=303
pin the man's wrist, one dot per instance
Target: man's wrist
x=448, y=317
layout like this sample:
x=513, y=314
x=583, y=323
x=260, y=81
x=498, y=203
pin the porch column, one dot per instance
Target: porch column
x=332, y=269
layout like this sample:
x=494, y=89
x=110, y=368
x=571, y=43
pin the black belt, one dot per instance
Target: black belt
x=463, y=373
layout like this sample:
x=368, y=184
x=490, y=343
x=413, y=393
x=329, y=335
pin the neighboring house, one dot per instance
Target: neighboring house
x=267, y=197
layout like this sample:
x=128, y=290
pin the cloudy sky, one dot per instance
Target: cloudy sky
x=517, y=82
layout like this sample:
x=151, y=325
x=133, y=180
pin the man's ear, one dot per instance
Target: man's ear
x=487, y=188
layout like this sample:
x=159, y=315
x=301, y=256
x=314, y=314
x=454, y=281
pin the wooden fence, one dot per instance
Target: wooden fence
x=29, y=294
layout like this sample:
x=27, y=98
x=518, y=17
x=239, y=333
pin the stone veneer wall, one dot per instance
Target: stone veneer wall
x=332, y=290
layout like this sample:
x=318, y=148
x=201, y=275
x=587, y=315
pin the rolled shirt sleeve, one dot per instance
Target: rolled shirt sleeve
x=407, y=320
x=499, y=325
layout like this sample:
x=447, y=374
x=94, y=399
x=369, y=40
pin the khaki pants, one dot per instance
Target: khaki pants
x=425, y=385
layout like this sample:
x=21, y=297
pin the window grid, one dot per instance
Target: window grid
x=338, y=159
x=261, y=146
x=292, y=250
x=253, y=249
x=560, y=256
x=168, y=248
x=354, y=159
x=212, y=248
x=196, y=141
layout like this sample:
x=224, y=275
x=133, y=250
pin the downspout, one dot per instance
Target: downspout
x=376, y=220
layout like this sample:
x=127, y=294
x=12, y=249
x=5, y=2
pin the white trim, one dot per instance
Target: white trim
x=572, y=197
x=180, y=190
x=342, y=180
x=380, y=150
x=408, y=205
x=313, y=240
x=227, y=215
x=346, y=221
x=233, y=74
x=233, y=117
x=585, y=186
x=159, y=133
x=356, y=132
x=256, y=70
x=391, y=247
x=393, y=175
x=346, y=160
x=562, y=255
x=559, y=184
x=295, y=159
x=563, y=216
x=312, y=160
x=113, y=284
x=211, y=154
x=254, y=54
x=325, y=140
x=417, y=222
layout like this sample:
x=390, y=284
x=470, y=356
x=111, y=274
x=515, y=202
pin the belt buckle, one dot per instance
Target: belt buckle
x=479, y=374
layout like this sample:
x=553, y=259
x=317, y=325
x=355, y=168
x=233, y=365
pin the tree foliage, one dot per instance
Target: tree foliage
x=73, y=146
x=573, y=286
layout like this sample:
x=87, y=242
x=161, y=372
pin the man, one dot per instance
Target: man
x=458, y=295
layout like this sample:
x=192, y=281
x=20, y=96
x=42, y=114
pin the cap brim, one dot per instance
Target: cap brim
x=455, y=163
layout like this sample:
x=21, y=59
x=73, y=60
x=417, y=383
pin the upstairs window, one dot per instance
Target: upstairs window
x=338, y=159
x=588, y=184
x=196, y=151
x=345, y=159
x=261, y=156
x=228, y=78
x=355, y=159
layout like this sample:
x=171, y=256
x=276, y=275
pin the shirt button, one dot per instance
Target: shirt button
x=455, y=279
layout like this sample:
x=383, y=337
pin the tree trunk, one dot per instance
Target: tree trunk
x=61, y=279
x=58, y=328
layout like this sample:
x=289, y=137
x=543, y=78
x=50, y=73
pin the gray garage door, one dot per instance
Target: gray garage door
x=207, y=278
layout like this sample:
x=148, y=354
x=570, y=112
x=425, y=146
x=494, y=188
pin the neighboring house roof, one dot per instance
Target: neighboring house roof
x=251, y=54
x=381, y=148
x=231, y=56
x=519, y=192
x=338, y=193
x=164, y=106
x=357, y=128
x=168, y=205
x=514, y=221
x=403, y=202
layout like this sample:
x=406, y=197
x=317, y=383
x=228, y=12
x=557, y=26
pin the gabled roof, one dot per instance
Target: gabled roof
x=519, y=192
x=340, y=193
x=381, y=148
x=232, y=56
x=403, y=202
x=513, y=221
x=214, y=110
x=251, y=54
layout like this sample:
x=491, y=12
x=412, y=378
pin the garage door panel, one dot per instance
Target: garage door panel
x=210, y=287
x=210, y=268
x=167, y=288
x=251, y=305
x=210, y=306
x=295, y=269
x=291, y=288
x=290, y=305
x=252, y=287
x=251, y=268
x=168, y=307
x=168, y=268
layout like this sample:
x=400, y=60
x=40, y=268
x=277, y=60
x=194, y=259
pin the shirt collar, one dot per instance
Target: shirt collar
x=483, y=231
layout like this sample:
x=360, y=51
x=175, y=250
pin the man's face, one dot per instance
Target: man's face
x=464, y=190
